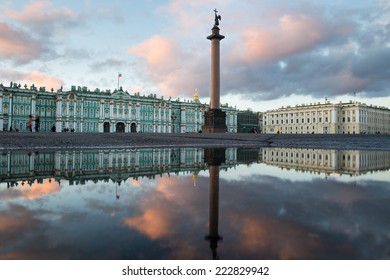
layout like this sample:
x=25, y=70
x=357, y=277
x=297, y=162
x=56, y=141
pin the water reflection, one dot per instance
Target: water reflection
x=160, y=204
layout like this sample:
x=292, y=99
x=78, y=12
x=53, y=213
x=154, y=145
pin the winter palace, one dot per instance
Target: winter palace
x=83, y=110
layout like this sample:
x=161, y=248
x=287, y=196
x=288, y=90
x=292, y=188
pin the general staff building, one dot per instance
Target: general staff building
x=341, y=118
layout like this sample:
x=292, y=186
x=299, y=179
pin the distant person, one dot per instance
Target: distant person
x=37, y=124
x=53, y=128
x=29, y=123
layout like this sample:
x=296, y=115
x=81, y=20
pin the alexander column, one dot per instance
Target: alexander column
x=215, y=119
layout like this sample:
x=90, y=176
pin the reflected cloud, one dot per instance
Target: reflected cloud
x=153, y=222
x=15, y=222
x=260, y=215
x=34, y=191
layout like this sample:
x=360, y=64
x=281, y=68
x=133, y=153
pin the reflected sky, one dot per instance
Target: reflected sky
x=265, y=212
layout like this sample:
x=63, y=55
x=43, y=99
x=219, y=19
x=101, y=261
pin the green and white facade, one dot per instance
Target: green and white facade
x=83, y=110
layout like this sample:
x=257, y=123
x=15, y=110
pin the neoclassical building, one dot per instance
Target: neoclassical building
x=24, y=167
x=349, y=162
x=341, y=118
x=83, y=110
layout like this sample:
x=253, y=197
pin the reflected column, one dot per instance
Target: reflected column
x=214, y=158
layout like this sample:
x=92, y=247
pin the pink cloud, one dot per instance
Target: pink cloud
x=153, y=223
x=168, y=67
x=36, y=190
x=292, y=34
x=343, y=82
x=40, y=79
x=17, y=45
x=41, y=12
x=277, y=238
x=158, y=51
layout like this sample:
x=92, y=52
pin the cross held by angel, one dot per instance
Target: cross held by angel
x=217, y=17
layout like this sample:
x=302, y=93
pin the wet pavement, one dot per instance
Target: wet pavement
x=46, y=140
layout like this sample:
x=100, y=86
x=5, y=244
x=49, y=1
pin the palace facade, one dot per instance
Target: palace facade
x=348, y=162
x=83, y=110
x=24, y=167
x=342, y=118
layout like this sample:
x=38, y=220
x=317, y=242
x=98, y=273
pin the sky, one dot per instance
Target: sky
x=276, y=52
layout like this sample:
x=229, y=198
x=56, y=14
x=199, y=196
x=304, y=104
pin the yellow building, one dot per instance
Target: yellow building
x=342, y=118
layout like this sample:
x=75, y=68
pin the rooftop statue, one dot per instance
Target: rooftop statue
x=217, y=18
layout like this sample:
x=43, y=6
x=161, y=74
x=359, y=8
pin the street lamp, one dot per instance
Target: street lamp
x=173, y=118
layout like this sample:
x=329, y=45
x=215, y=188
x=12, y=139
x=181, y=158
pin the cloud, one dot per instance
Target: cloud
x=44, y=18
x=153, y=223
x=175, y=72
x=40, y=26
x=36, y=78
x=158, y=52
x=273, y=51
x=15, y=222
x=18, y=45
x=36, y=190
x=293, y=33
x=108, y=63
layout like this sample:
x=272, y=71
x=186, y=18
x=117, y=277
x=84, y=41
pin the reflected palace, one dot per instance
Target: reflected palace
x=195, y=203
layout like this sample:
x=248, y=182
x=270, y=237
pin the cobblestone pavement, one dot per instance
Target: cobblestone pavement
x=46, y=140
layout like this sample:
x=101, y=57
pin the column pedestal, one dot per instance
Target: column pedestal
x=214, y=121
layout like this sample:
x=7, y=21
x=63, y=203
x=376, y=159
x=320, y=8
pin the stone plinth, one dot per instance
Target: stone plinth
x=214, y=121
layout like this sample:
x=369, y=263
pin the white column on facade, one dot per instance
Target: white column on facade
x=67, y=114
x=101, y=161
x=170, y=120
x=10, y=110
x=183, y=121
x=128, y=156
x=66, y=160
x=169, y=153
x=73, y=160
x=58, y=114
x=111, y=110
x=81, y=156
x=9, y=164
x=182, y=157
x=110, y=160
x=33, y=105
x=82, y=116
x=159, y=119
x=356, y=123
x=32, y=162
x=101, y=115
x=1, y=103
x=138, y=112
x=1, y=113
x=67, y=108
x=137, y=158
x=334, y=116
x=57, y=161
x=58, y=107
